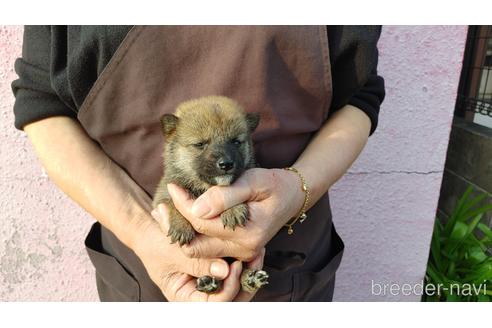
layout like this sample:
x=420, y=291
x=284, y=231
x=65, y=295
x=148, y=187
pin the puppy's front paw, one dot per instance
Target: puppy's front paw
x=181, y=232
x=252, y=280
x=235, y=216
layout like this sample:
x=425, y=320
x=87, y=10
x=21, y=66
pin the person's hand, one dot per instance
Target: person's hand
x=273, y=197
x=161, y=214
x=174, y=273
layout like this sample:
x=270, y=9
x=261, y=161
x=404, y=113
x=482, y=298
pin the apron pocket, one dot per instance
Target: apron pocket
x=114, y=283
x=279, y=288
x=280, y=266
x=318, y=286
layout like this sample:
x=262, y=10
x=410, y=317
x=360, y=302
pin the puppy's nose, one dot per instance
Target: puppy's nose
x=225, y=164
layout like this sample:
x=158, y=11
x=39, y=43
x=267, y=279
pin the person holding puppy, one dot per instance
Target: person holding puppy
x=90, y=99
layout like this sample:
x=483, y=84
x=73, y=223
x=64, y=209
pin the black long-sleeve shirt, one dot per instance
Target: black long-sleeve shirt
x=59, y=65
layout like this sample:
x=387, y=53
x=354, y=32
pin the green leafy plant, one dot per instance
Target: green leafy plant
x=460, y=261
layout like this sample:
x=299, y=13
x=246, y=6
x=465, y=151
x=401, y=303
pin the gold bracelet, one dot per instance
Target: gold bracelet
x=301, y=216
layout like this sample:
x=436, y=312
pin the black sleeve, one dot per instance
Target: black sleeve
x=354, y=60
x=35, y=98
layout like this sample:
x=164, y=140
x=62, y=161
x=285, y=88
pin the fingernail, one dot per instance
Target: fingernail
x=219, y=269
x=200, y=208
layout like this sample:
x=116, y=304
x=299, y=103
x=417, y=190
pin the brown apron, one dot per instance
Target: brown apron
x=282, y=72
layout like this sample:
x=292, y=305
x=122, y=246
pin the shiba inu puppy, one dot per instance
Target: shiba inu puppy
x=207, y=142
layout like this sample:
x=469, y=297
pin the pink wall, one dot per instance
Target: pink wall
x=383, y=208
x=41, y=240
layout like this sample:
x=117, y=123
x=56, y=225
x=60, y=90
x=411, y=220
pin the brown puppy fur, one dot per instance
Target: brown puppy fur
x=207, y=142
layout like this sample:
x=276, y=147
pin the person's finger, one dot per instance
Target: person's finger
x=185, y=290
x=183, y=201
x=202, y=267
x=231, y=285
x=197, y=267
x=256, y=263
x=203, y=246
x=241, y=234
x=219, y=198
x=180, y=287
x=161, y=215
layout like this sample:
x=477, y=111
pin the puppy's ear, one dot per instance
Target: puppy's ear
x=169, y=123
x=253, y=119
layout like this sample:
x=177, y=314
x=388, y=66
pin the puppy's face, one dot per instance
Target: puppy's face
x=210, y=139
